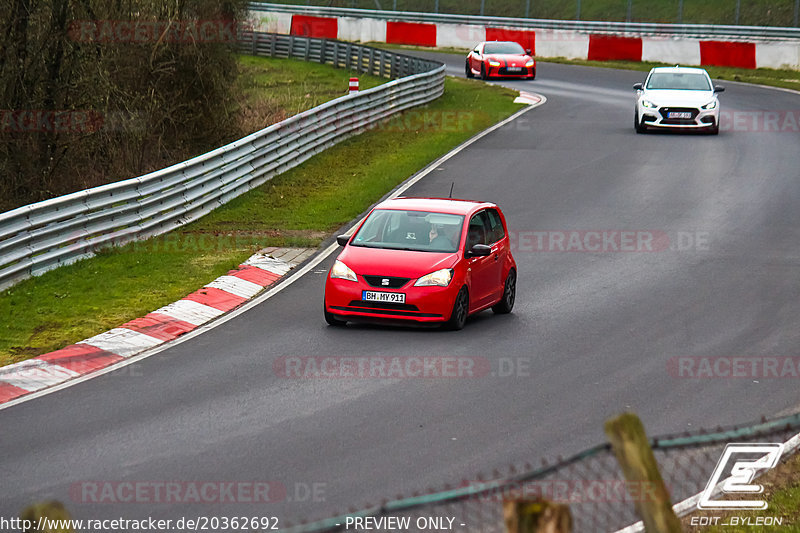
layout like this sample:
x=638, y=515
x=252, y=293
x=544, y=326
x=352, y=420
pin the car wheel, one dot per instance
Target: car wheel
x=331, y=319
x=484, y=76
x=506, y=304
x=636, y=124
x=468, y=71
x=460, y=311
x=533, y=75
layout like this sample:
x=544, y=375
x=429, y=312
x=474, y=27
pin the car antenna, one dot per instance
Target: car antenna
x=451, y=189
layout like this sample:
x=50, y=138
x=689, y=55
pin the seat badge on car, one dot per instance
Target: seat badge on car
x=385, y=281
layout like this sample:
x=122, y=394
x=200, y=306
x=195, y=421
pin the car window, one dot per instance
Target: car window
x=495, y=230
x=422, y=231
x=678, y=81
x=503, y=48
x=476, y=233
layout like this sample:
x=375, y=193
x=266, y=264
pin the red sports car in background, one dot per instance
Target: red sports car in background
x=428, y=260
x=500, y=59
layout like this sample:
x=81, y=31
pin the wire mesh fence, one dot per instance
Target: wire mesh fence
x=744, y=12
x=590, y=483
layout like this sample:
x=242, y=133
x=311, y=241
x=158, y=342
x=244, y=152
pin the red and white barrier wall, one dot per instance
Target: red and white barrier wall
x=543, y=43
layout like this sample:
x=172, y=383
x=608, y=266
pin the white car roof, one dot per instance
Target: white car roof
x=681, y=70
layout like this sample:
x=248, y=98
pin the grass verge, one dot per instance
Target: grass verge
x=270, y=90
x=298, y=208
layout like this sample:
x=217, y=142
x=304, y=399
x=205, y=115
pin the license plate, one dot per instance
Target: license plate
x=680, y=114
x=514, y=69
x=390, y=297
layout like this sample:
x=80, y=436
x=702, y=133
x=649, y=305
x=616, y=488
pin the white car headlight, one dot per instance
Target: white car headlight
x=648, y=104
x=440, y=278
x=342, y=271
x=711, y=105
x=493, y=63
x=530, y=63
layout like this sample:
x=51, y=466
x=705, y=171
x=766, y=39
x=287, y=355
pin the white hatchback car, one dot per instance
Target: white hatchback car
x=677, y=97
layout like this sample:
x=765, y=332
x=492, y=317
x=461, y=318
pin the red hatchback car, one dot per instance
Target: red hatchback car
x=500, y=59
x=426, y=260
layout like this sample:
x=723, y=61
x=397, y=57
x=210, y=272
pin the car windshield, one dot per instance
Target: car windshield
x=503, y=48
x=678, y=81
x=421, y=231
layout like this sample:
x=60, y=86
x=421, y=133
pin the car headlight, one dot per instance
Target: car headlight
x=648, y=104
x=711, y=105
x=342, y=271
x=530, y=63
x=440, y=278
x=493, y=63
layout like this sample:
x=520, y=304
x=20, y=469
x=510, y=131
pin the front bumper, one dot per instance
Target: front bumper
x=343, y=298
x=503, y=72
x=660, y=117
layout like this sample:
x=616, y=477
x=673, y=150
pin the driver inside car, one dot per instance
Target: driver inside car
x=438, y=238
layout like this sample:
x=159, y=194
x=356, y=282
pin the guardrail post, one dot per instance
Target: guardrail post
x=291, y=46
x=322, y=46
x=272, y=42
x=336, y=54
x=536, y=516
x=361, y=60
x=372, y=61
x=348, y=62
x=635, y=457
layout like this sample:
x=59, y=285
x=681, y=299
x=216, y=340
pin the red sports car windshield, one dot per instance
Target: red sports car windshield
x=503, y=48
x=421, y=231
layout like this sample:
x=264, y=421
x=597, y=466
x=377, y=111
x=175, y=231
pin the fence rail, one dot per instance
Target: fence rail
x=42, y=236
x=639, y=28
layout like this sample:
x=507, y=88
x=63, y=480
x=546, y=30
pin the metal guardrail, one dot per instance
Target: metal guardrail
x=638, y=28
x=42, y=236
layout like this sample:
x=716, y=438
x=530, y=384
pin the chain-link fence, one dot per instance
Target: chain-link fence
x=591, y=484
x=737, y=12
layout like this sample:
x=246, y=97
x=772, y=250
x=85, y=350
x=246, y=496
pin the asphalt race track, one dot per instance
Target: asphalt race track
x=592, y=333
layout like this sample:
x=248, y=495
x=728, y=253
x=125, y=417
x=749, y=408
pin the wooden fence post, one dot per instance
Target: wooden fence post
x=536, y=516
x=632, y=449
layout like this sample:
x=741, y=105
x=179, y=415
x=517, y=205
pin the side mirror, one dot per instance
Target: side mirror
x=528, y=51
x=718, y=89
x=638, y=86
x=479, y=250
x=342, y=239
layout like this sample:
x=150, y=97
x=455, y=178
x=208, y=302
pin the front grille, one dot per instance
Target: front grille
x=385, y=308
x=665, y=111
x=392, y=282
x=383, y=305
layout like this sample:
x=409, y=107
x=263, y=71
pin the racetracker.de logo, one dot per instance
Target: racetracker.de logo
x=608, y=241
x=177, y=492
x=570, y=491
x=140, y=32
x=767, y=367
x=49, y=121
x=381, y=367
